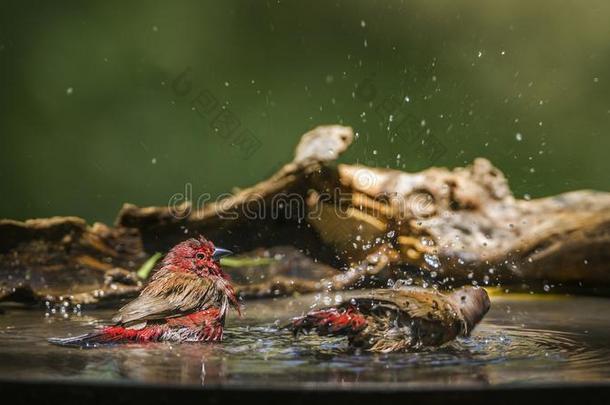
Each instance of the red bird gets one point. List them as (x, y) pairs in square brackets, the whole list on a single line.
[(186, 300)]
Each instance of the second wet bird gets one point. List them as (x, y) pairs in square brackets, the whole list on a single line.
[(399, 319)]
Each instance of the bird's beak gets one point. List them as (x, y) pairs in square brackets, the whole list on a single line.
[(220, 252)]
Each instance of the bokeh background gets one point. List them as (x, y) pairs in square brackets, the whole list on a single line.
[(89, 119)]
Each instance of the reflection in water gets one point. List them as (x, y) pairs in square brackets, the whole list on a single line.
[(520, 342)]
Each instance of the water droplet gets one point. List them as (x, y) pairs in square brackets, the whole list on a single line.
[(362, 23), (432, 260), (226, 84), (69, 91), (153, 161), (519, 136)]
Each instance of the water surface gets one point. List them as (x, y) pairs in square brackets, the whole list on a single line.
[(524, 340)]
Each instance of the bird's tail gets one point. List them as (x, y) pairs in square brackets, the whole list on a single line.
[(331, 321), (111, 335), (88, 340)]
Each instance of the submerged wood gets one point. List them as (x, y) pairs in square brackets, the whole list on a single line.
[(356, 226)]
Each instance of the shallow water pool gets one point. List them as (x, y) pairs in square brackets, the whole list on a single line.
[(525, 340)]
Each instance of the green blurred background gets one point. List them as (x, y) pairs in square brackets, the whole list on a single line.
[(89, 118)]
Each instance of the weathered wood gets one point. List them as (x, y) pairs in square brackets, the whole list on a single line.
[(56, 258), (373, 225), (468, 220)]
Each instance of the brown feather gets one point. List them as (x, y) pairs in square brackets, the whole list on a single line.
[(170, 294), (431, 314), (414, 301)]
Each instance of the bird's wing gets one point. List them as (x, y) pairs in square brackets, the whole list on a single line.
[(428, 314), (169, 294), (416, 303)]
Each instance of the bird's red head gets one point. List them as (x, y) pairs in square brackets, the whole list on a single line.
[(196, 255)]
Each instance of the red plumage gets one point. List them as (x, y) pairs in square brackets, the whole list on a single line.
[(332, 321)]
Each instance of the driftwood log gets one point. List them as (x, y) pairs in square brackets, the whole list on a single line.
[(330, 227)]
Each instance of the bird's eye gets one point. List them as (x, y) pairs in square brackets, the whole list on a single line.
[(199, 256)]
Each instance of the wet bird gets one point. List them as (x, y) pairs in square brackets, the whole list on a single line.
[(186, 300), (399, 319)]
